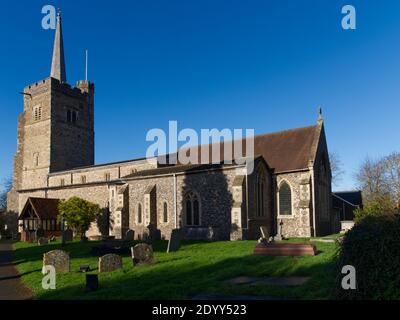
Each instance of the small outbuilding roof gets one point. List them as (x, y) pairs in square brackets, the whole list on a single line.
[(43, 208), (353, 197)]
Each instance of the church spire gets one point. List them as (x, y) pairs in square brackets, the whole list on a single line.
[(58, 62)]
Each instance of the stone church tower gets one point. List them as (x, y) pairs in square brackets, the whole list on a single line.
[(55, 129)]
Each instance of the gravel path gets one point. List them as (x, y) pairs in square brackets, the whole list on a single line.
[(11, 286)]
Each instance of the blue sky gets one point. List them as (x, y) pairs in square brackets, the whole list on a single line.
[(266, 65)]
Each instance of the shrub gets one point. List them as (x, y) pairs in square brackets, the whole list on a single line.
[(78, 213), (378, 207), (373, 248)]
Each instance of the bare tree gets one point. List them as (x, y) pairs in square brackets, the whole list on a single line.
[(7, 185), (392, 175), (336, 168), (372, 180)]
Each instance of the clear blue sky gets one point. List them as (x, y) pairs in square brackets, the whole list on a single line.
[(264, 64)]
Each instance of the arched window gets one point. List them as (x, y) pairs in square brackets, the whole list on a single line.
[(165, 213), (139, 214), (192, 209), (260, 193), (285, 199), (74, 116)]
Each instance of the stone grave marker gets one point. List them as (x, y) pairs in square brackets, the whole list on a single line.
[(67, 236), (130, 235), (175, 240), (43, 241), (142, 253), (57, 258), (39, 233), (202, 233), (264, 232), (92, 282), (110, 262)]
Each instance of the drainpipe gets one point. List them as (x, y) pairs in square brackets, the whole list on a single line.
[(313, 200), (175, 204), (247, 201)]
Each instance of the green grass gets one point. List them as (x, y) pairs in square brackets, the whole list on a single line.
[(198, 267)]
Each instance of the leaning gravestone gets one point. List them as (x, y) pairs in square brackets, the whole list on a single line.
[(43, 241), (39, 233), (110, 262), (142, 253), (130, 235), (175, 240), (57, 258), (264, 232), (67, 235)]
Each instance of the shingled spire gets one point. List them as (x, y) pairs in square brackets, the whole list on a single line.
[(58, 62)]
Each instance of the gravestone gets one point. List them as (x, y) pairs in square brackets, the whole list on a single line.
[(92, 282), (110, 262), (67, 236), (57, 258), (142, 253), (43, 241), (201, 233), (130, 235), (264, 232), (151, 233), (175, 240), (39, 233)]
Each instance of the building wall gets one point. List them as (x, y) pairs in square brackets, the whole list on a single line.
[(97, 194), (98, 173), (299, 223), (32, 160), (214, 191), (326, 218), (72, 143), (255, 221)]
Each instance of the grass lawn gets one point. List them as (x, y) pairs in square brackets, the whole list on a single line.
[(198, 267)]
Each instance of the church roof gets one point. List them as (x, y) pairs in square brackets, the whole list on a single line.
[(288, 150), (58, 61), (283, 151), (43, 208)]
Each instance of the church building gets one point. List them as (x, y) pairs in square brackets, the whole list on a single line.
[(288, 192)]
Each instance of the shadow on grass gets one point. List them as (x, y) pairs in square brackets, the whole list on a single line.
[(164, 280), (77, 250)]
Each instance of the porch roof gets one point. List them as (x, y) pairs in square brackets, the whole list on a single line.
[(42, 207)]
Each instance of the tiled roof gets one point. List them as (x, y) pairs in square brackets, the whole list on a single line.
[(354, 197), (44, 208), (287, 150)]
